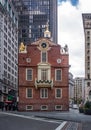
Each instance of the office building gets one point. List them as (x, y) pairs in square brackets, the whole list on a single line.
[(87, 33), (33, 17), (79, 90), (71, 89), (8, 51)]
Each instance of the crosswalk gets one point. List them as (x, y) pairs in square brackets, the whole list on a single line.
[(72, 126)]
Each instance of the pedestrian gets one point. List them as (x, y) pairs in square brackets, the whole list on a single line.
[(2, 107), (6, 107), (9, 107)]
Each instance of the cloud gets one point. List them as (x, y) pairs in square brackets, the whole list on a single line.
[(70, 28), (85, 6)]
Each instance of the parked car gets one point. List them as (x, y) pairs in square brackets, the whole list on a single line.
[(70, 105), (75, 106)]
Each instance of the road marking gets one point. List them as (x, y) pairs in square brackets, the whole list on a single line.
[(32, 117), (61, 126)]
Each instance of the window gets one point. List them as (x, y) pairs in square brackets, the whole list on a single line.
[(29, 74), (5, 58), (5, 66), (5, 50), (43, 93), (88, 84), (5, 36), (58, 75), (88, 76), (5, 43), (88, 32), (88, 45), (58, 93), (44, 107), (88, 38), (88, 57), (29, 93), (90, 94), (44, 74), (58, 107), (88, 52), (44, 57), (29, 107)]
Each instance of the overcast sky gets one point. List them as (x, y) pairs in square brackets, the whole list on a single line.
[(70, 32)]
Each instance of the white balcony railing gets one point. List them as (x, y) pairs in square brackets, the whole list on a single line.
[(43, 83)]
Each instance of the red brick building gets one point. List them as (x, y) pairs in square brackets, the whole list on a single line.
[(43, 76)]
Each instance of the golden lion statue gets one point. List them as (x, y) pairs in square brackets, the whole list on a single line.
[(22, 47)]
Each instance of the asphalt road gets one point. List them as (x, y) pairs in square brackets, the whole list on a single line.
[(48, 120), (11, 122)]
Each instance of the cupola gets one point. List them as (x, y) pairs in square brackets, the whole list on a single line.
[(47, 33)]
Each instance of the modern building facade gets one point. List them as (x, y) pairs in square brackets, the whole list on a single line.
[(87, 33), (43, 76), (71, 89), (79, 89), (33, 17), (8, 51)]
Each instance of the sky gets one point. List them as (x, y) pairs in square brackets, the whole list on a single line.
[(71, 32)]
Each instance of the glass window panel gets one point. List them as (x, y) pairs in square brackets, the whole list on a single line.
[(58, 74), (29, 74), (29, 93)]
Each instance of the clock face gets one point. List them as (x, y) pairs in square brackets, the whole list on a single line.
[(44, 45), (58, 61)]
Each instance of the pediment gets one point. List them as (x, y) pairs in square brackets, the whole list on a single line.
[(41, 40), (44, 65)]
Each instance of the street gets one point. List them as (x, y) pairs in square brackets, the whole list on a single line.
[(11, 122), (14, 120)]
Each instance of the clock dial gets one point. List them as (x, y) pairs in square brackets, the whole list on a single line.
[(58, 61), (44, 45)]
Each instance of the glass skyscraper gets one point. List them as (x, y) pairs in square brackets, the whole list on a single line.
[(33, 17)]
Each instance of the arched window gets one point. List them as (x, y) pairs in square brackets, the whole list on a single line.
[(90, 94)]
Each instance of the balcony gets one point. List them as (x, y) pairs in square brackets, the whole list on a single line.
[(44, 83)]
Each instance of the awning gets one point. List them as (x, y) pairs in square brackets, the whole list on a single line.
[(8, 101)]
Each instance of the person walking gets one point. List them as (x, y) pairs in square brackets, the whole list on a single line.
[(2, 107)]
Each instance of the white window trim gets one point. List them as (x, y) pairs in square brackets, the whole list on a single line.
[(58, 108), (56, 94), (56, 73), (45, 106), (30, 106), (26, 93), (41, 93), (26, 74)]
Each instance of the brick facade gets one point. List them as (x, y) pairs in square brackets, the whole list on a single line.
[(56, 59)]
